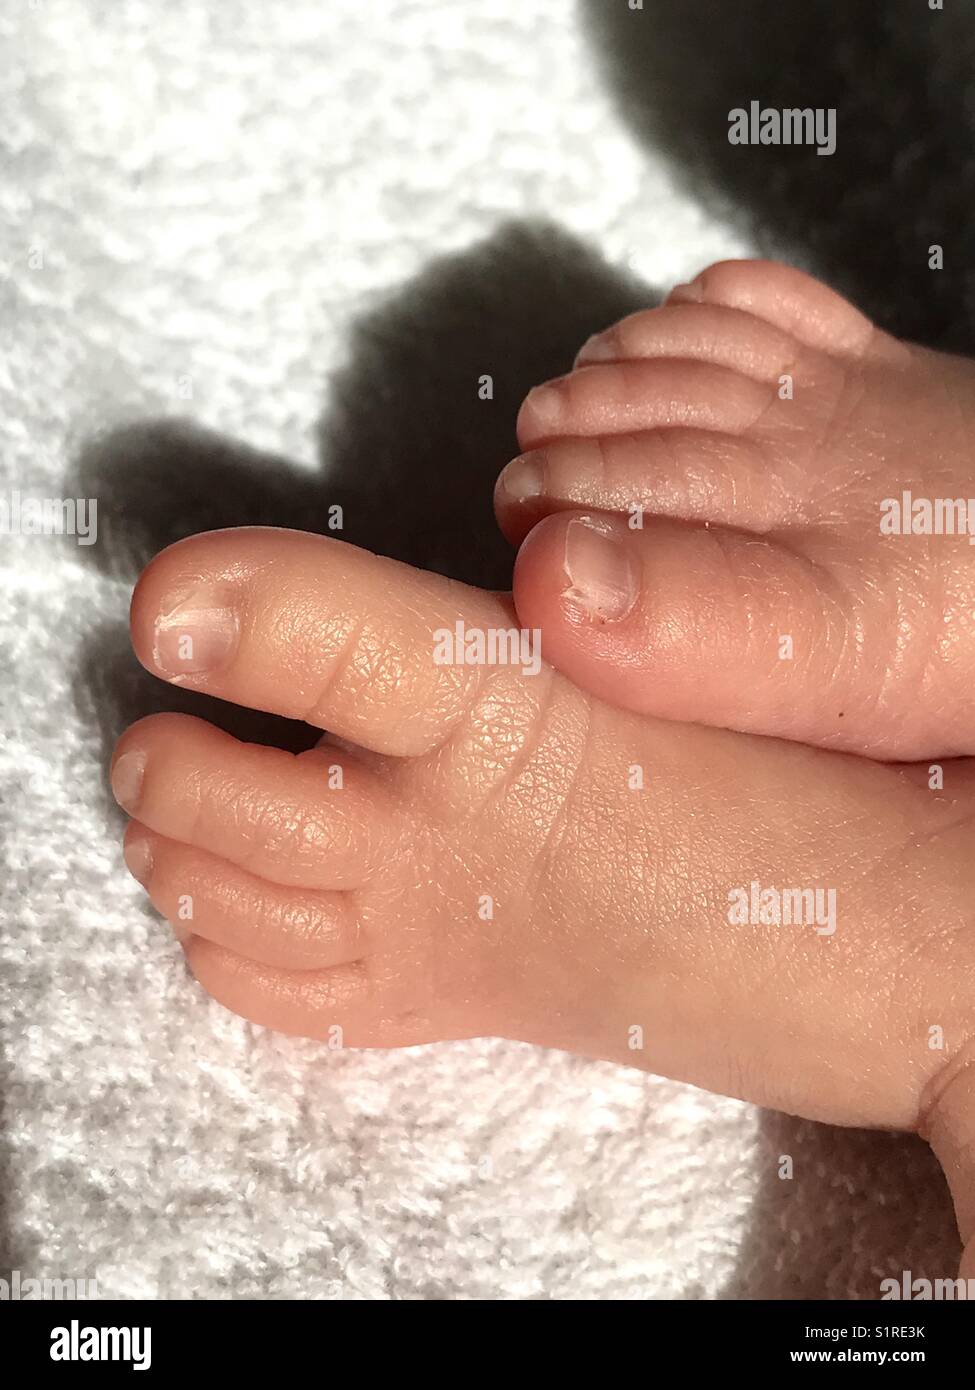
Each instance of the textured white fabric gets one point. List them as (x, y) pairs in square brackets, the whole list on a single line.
[(203, 211)]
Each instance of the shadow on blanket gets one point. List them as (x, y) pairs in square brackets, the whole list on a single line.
[(902, 177), (407, 448)]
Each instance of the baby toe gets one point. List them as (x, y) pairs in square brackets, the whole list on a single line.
[(355, 1005), (788, 299)]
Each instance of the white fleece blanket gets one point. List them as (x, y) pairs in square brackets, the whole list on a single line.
[(307, 229)]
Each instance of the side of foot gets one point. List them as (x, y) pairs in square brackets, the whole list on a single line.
[(484, 849)]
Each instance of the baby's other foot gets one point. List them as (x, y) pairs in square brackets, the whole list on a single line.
[(778, 449), (501, 854)]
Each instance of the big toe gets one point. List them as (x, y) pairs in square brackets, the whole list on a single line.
[(711, 625), (313, 629)]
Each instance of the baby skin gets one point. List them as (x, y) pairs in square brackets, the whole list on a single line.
[(765, 433), (479, 850)]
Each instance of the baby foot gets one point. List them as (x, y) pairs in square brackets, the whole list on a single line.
[(503, 855), (765, 434)]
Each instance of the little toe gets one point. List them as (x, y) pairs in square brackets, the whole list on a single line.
[(790, 300), (350, 1005)]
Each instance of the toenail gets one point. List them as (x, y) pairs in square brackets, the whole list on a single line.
[(546, 404), (197, 633), (601, 347), (600, 569), (523, 477), (127, 777), (138, 857)]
